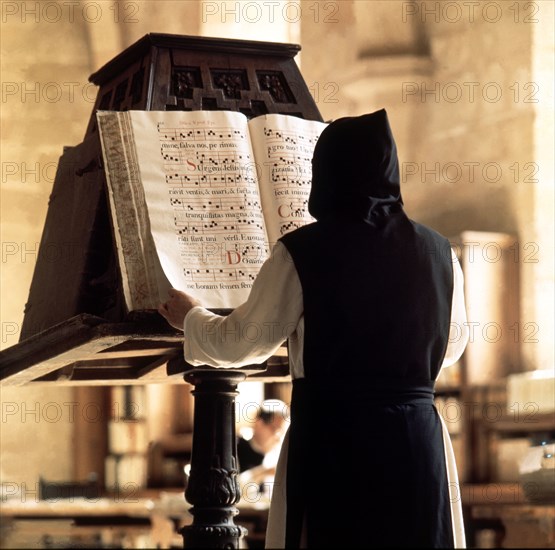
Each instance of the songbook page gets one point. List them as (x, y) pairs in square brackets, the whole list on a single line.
[(283, 146), (199, 176)]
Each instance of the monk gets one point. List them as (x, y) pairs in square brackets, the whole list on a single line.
[(372, 305)]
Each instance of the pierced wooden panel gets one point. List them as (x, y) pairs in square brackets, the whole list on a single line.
[(184, 80), (276, 84), (231, 81)]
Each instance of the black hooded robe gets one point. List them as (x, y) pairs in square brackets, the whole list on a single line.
[(366, 462)]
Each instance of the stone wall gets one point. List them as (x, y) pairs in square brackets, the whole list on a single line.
[(467, 91), (49, 49), (46, 100)]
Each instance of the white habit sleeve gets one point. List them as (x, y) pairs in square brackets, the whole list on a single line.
[(255, 329)]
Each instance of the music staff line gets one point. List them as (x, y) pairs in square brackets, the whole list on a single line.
[(282, 157), (281, 136), (213, 227), (214, 158), (229, 161), (178, 180), (220, 275), (215, 204), (182, 180), (289, 226), (219, 251), (199, 134), (290, 180)]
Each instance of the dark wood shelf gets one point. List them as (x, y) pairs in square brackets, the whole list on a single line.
[(88, 350), (524, 423)]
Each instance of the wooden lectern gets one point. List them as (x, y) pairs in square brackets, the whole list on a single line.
[(76, 329)]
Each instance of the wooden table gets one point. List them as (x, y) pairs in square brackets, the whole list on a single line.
[(499, 514), (153, 517)]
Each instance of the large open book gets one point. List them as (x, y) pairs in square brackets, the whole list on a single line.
[(198, 198)]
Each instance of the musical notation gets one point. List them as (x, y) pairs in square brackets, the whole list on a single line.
[(211, 179), (184, 227), (188, 228), (289, 155), (198, 160), (246, 224), (288, 158), (255, 251), (289, 226), (289, 179), (222, 159), (227, 180), (289, 137), (199, 134), (226, 204), (219, 275)]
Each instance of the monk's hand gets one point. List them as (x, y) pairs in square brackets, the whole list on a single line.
[(178, 305)]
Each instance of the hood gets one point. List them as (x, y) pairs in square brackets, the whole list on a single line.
[(355, 170)]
